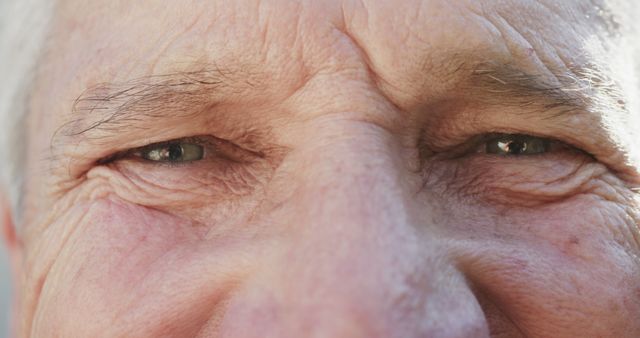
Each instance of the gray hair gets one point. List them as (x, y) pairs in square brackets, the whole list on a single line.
[(23, 28)]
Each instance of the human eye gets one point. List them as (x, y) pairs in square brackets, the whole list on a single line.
[(504, 147), (199, 165), (177, 151), (193, 151), (517, 145), (514, 168)]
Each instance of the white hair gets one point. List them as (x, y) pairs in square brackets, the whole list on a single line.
[(23, 28)]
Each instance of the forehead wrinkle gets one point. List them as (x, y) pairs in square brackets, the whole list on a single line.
[(605, 14)]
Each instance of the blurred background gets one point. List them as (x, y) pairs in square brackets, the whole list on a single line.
[(4, 270), (4, 292)]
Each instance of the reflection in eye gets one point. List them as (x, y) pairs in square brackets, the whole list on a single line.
[(515, 145), (174, 152)]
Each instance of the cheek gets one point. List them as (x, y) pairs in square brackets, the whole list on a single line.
[(119, 239), (129, 265), (554, 265)]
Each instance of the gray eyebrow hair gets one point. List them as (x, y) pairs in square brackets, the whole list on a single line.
[(581, 89), (111, 106)]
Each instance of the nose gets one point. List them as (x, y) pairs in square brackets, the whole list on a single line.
[(361, 258)]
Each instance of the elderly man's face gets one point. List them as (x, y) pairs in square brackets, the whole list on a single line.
[(410, 168)]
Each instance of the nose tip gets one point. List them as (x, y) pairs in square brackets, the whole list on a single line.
[(357, 277), (303, 308)]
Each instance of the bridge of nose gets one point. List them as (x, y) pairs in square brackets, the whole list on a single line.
[(355, 263)]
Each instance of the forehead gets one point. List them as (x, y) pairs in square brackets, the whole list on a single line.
[(413, 47), (150, 34), (408, 50)]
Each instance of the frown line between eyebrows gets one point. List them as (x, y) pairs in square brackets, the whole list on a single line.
[(108, 110), (111, 106)]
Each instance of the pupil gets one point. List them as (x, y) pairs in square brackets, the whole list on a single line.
[(175, 152), (517, 147)]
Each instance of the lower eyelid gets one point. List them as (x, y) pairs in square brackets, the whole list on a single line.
[(543, 182), (523, 180), (217, 179)]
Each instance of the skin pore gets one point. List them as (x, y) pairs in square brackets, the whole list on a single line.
[(339, 168)]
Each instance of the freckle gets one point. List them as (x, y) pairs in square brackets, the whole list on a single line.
[(571, 245), (574, 240), (530, 51)]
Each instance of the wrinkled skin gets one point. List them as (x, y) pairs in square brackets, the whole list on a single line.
[(332, 200)]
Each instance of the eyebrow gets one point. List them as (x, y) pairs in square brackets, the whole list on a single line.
[(114, 107), (111, 106), (584, 89)]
